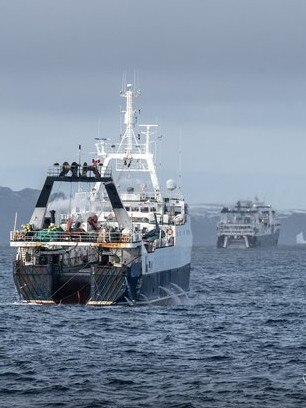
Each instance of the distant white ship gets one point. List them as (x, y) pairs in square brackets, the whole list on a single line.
[(248, 224), (300, 238)]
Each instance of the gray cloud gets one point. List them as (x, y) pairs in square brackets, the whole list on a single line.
[(229, 76)]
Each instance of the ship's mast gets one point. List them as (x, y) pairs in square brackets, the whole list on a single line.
[(131, 155), (130, 119)]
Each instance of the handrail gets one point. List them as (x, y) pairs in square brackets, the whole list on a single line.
[(74, 236)]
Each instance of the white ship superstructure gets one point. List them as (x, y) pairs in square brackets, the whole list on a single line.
[(121, 240), (248, 224)]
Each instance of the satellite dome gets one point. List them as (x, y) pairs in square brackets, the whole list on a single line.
[(171, 184)]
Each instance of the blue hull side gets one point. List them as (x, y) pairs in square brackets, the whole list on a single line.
[(160, 285)]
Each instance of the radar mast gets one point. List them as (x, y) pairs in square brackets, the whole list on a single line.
[(131, 154)]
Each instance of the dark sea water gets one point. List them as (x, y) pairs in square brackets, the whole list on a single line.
[(239, 342)]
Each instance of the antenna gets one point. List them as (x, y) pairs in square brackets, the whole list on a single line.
[(135, 79), (123, 81), (79, 169), (180, 160), (138, 80), (158, 152), (80, 149), (99, 124), (147, 133), (120, 120)]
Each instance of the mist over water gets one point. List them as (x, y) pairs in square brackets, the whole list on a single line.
[(238, 342)]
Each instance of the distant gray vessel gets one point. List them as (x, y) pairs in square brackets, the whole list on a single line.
[(248, 224)]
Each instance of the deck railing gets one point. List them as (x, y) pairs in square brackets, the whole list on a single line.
[(74, 236)]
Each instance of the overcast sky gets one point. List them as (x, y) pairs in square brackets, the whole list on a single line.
[(224, 79)]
